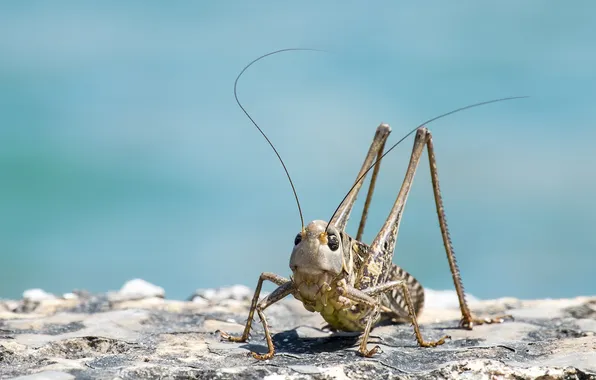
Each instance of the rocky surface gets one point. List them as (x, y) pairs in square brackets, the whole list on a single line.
[(138, 334)]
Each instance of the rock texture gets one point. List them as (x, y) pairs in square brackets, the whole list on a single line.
[(139, 334)]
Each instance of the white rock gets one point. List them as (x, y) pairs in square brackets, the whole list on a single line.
[(200, 300), (444, 299), (11, 305), (239, 292), (37, 295), (141, 289), (208, 294), (235, 292)]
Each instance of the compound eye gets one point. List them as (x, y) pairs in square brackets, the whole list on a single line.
[(333, 242), (297, 239)]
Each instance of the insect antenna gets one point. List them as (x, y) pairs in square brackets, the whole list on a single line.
[(414, 130), (259, 128)]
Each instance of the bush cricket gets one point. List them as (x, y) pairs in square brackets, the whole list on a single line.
[(353, 285)]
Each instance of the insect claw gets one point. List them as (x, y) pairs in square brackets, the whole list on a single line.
[(471, 322), (370, 353), (266, 356)]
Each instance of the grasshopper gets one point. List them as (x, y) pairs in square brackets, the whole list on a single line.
[(353, 285)]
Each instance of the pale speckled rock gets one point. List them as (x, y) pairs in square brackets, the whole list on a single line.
[(99, 337)]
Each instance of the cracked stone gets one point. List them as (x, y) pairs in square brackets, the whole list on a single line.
[(149, 337)]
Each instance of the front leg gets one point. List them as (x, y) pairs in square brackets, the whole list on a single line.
[(285, 288)]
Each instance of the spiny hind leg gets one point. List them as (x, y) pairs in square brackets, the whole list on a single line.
[(467, 320), (382, 247), (342, 214)]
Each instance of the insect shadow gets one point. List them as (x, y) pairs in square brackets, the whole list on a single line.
[(291, 342)]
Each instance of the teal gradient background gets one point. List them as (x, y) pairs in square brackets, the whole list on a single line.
[(123, 154)]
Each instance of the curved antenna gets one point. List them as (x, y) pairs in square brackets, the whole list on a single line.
[(412, 131), (260, 130)]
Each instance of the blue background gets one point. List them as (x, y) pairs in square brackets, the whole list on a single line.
[(123, 154)]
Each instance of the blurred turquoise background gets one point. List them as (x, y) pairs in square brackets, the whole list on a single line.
[(123, 153)]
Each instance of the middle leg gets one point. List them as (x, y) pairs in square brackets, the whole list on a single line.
[(368, 298)]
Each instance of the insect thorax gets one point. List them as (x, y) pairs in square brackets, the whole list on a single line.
[(318, 291)]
